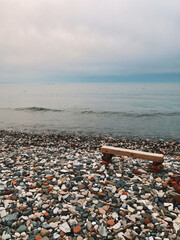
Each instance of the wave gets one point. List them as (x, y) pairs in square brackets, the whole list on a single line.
[(132, 114), (101, 113), (38, 109)]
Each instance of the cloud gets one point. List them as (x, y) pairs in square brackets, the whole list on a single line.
[(76, 37)]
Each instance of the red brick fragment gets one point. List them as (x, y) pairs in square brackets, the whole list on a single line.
[(111, 222), (8, 192), (177, 198), (77, 229), (92, 230), (137, 172), (164, 185), (23, 208), (104, 162), (147, 221)]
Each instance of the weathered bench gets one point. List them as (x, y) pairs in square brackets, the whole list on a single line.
[(109, 151)]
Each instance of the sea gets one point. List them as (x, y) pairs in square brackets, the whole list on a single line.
[(118, 110)]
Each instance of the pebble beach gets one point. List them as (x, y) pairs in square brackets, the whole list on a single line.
[(56, 187)]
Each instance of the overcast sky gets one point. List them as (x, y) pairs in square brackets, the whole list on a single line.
[(42, 39)]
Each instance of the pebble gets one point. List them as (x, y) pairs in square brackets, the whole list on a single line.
[(117, 226), (102, 231), (65, 227), (55, 187), (21, 229)]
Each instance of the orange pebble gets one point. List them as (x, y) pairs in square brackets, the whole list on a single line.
[(38, 237), (111, 222), (77, 229), (45, 183), (164, 185), (91, 178), (46, 214), (50, 188), (48, 177), (92, 230), (125, 193), (104, 162), (14, 183)]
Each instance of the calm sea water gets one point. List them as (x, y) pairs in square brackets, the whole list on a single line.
[(142, 110)]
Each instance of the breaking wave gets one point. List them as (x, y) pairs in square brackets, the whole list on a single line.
[(38, 109), (105, 113)]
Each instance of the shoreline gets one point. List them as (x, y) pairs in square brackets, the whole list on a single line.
[(55, 187), (171, 147)]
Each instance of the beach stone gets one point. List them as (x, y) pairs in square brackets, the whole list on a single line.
[(123, 197), (44, 232), (150, 226), (114, 215), (117, 226), (21, 229), (56, 235), (102, 231), (111, 222), (79, 238), (89, 225), (17, 235), (65, 227), (77, 229), (6, 236), (3, 213), (11, 217), (78, 179), (45, 206), (53, 224), (23, 234)]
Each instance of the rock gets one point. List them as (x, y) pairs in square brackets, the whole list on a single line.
[(56, 235), (111, 222), (177, 198), (114, 215), (6, 236), (53, 224), (11, 217), (176, 224), (21, 229), (123, 197), (3, 213), (102, 231), (150, 226), (130, 209), (89, 225), (44, 232), (77, 229), (117, 226), (101, 211), (65, 227)]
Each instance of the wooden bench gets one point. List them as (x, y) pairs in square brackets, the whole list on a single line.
[(108, 153)]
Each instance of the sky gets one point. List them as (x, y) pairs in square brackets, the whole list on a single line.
[(53, 39)]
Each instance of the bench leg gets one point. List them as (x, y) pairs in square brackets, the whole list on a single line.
[(156, 166), (106, 158)]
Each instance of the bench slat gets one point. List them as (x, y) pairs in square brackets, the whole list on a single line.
[(132, 153)]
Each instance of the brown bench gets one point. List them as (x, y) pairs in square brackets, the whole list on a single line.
[(109, 151)]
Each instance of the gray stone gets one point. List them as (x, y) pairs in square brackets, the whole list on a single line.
[(11, 217), (21, 229), (89, 225), (102, 231)]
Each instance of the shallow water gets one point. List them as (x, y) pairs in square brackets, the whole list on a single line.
[(142, 110)]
